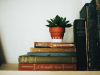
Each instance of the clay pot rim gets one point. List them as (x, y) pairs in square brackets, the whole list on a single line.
[(56, 29)]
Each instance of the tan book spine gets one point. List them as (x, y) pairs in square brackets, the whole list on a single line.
[(53, 45), (53, 50)]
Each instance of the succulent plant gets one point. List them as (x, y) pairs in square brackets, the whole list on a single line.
[(58, 22)]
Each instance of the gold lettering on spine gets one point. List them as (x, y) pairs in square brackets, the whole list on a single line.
[(37, 67), (34, 67), (46, 67), (59, 67), (63, 66), (89, 64)]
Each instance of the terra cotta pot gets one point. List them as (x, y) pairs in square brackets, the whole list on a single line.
[(57, 33)]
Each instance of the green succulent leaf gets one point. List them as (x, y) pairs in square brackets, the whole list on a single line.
[(47, 25), (68, 25), (52, 20), (63, 20), (49, 21), (66, 22), (58, 22)]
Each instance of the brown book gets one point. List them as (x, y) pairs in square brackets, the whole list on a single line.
[(47, 67), (53, 45), (69, 50)]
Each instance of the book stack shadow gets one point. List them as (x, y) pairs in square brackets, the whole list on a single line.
[(49, 56)]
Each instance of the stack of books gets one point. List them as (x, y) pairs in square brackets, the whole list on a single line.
[(49, 56)]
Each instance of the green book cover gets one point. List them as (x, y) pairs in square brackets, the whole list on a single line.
[(46, 59), (90, 14)]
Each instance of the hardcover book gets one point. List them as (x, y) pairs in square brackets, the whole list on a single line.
[(90, 14), (93, 1), (68, 50), (49, 54), (47, 67), (53, 45), (47, 59), (80, 41), (99, 35), (97, 2)]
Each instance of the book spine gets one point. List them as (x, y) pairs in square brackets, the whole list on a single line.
[(83, 12), (53, 45), (47, 67), (97, 2), (92, 38), (80, 41), (93, 1), (69, 50), (99, 35), (47, 60), (50, 54)]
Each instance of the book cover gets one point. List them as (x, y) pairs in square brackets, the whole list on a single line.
[(50, 54), (99, 35), (93, 1), (83, 11), (98, 4), (90, 14), (69, 50), (47, 59), (80, 41), (93, 39), (47, 67), (53, 45)]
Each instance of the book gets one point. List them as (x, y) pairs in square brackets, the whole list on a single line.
[(47, 67), (80, 41), (99, 35), (47, 59), (83, 12), (89, 12), (53, 45), (98, 4), (69, 50), (50, 54), (93, 1)]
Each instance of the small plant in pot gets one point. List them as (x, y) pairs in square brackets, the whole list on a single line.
[(57, 28)]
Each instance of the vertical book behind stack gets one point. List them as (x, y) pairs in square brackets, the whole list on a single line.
[(80, 41), (49, 56), (90, 13)]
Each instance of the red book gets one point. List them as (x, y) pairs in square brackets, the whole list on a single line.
[(47, 67), (53, 45)]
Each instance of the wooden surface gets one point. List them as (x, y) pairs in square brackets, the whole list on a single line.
[(12, 69)]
